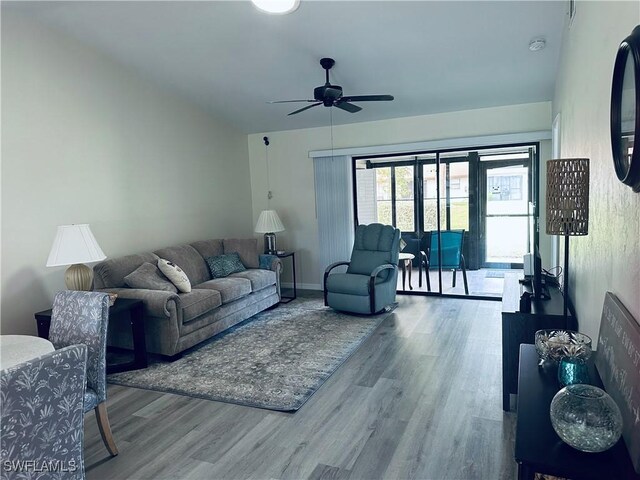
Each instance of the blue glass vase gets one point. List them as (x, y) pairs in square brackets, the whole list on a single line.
[(573, 370)]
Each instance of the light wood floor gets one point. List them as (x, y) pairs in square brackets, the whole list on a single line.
[(420, 399)]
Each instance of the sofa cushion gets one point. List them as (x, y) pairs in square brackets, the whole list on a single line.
[(230, 288), (110, 273), (150, 277), (208, 248), (189, 260), (224, 265), (174, 273), (247, 248), (198, 302), (259, 278), (349, 283)]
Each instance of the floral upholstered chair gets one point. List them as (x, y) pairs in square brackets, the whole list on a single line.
[(82, 317), (42, 419)]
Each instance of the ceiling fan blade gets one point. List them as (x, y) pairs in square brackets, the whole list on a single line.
[(349, 107), (332, 93), (290, 101), (305, 108), (368, 98)]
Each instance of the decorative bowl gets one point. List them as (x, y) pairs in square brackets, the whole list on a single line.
[(586, 418), (554, 345)]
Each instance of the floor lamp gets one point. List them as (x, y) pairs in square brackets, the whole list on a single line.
[(567, 207)]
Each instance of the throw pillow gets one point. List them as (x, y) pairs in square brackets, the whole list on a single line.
[(266, 261), (224, 265), (149, 277), (174, 273)]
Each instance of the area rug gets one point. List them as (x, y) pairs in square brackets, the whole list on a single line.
[(275, 360)]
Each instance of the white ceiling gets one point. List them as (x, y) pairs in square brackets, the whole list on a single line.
[(231, 59)]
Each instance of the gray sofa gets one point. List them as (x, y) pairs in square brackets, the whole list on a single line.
[(176, 321)]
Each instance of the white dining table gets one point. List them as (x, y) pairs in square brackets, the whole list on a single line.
[(15, 349)]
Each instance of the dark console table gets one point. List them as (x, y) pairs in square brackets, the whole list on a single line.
[(124, 309), (538, 447), (520, 327)]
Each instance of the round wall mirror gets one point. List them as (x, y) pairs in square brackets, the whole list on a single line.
[(625, 111)]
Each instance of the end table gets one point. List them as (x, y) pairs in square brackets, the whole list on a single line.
[(128, 308), (291, 255)]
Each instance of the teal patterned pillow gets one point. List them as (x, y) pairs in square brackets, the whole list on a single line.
[(266, 261), (224, 265)]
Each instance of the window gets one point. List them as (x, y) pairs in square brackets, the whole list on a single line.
[(505, 187), (405, 216), (458, 195), (383, 196)]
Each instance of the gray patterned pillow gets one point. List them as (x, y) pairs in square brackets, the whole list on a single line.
[(224, 265), (150, 277)]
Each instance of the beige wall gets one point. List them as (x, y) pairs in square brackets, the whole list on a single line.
[(291, 169), (608, 259), (85, 140)]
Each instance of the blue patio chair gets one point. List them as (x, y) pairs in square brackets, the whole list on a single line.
[(369, 285), (452, 257)]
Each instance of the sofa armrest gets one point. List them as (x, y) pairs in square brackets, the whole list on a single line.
[(273, 263), (157, 303)]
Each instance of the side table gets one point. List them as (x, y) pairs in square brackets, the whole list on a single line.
[(405, 261), (123, 308), (291, 255), (539, 449)]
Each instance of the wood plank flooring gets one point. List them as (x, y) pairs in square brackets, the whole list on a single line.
[(421, 399)]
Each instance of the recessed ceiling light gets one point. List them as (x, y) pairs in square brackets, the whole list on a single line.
[(537, 44), (276, 6)]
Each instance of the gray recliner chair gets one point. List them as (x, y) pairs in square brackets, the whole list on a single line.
[(369, 285)]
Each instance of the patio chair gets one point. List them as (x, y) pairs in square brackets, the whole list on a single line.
[(452, 257)]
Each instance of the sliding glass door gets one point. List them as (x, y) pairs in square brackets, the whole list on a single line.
[(474, 203)]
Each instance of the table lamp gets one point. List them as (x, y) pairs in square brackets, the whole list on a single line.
[(567, 206), (269, 223), (74, 245)]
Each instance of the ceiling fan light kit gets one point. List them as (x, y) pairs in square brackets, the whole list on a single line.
[(277, 7), (332, 96)]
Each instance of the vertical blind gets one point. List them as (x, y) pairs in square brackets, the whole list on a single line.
[(334, 208)]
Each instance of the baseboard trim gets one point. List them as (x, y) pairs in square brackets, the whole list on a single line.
[(303, 286)]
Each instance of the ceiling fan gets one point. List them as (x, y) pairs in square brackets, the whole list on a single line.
[(331, 95)]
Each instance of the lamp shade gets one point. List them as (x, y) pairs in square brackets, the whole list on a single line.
[(269, 222), (568, 196), (74, 244)]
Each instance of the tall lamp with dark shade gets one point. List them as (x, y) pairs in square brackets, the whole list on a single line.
[(567, 206)]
